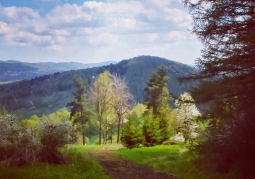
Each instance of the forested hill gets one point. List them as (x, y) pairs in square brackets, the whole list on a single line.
[(13, 70), (46, 94)]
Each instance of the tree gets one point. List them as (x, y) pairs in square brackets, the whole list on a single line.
[(227, 73), (122, 100), (101, 96), (187, 114), (79, 106), (157, 98), (156, 92), (132, 134), (151, 129)]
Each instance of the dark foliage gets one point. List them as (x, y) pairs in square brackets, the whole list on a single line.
[(227, 65)]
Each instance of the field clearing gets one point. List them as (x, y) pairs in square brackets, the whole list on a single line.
[(172, 159)]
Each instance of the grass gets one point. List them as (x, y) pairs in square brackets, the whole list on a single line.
[(77, 167), (82, 149), (172, 159)]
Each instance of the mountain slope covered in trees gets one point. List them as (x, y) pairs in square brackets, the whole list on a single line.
[(13, 70), (46, 94)]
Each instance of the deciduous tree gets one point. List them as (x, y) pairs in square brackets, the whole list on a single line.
[(122, 100), (187, 114), (102, 96)]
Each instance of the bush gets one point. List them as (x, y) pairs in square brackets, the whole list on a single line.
[(20, 146), (17, 145), (132, 134), (151, 130), (53, 136)]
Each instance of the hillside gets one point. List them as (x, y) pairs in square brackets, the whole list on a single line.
[(13, 70), (46, 94)]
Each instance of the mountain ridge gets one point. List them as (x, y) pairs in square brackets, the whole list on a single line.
[(13, 70), (48, 93)]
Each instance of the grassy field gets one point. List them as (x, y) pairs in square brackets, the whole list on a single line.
[(173, 159), (78, 167)]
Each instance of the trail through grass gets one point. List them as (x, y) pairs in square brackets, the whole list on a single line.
[(174, 159)]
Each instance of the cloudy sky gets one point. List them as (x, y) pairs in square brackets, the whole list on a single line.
[(95, 31)]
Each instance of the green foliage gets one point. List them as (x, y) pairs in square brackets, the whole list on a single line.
[(151, 130), (79, 106), (3, 111), (51, 92), (78, 166), (102, 97), (132, 134), (227, 82), (156, 94), (24, 142), (17, 145), (32, 122)]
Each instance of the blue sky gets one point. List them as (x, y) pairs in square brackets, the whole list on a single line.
[(95, 31)]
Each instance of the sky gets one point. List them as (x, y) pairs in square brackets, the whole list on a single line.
[(95, 31)]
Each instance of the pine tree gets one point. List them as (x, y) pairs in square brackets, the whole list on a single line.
[(227, 73), (156, 92), (79, 106)]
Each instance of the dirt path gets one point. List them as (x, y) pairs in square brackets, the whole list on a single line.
[(118, 167)]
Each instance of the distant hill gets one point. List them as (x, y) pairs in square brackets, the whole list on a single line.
[(48, 93), (13, 70)]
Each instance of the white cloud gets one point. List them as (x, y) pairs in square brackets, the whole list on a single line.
[(104, 30)]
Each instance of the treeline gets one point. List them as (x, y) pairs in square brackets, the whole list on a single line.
[(108, 104)]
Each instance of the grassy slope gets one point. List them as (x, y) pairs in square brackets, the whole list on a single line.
[(173, 159), (78, 167)]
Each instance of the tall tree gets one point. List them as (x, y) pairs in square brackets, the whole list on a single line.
[(227, 73), (156, 92), (101, 96), (79, 106), (122, 101), (157, 98)]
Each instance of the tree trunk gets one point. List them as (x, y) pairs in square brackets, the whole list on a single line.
[(100, 132), (118, 137)]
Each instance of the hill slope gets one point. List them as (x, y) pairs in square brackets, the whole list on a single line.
[(13, 70), (46, 94)]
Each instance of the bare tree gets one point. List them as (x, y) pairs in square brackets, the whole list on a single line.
[(122, 100)]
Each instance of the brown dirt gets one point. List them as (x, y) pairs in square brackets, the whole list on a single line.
[(117, 167)]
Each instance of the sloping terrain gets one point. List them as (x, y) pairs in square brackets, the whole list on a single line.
[(14, 70), (50, 92)]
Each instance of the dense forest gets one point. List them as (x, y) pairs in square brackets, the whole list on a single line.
[(54, 91)]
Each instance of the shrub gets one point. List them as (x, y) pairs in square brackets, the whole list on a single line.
[(151, 130), (17, 145), (52, 136), (132, 134), (20, 146)]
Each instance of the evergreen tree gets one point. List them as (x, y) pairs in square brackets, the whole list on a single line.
[(156, 91), (157, 98), (79, 106), (151, 130), (132, 134), (227, 73)]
